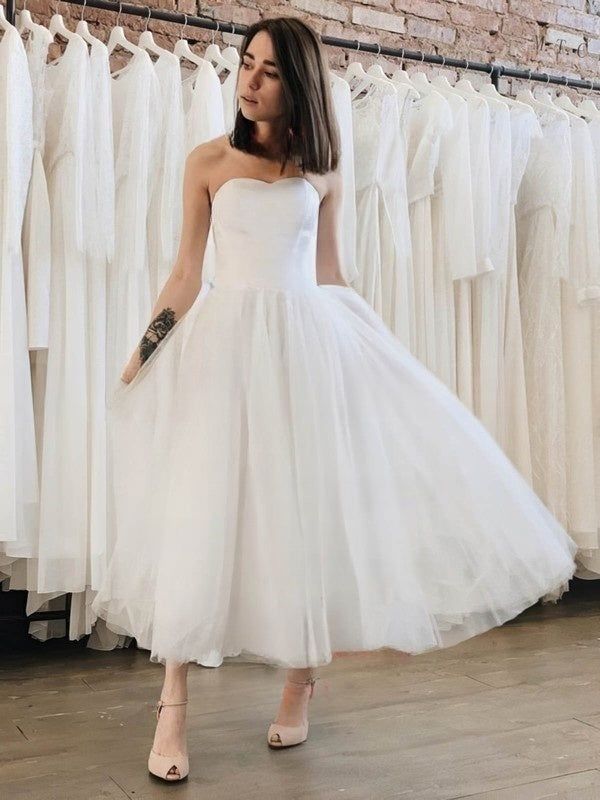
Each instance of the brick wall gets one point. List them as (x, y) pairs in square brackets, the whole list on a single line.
[(561, 36)]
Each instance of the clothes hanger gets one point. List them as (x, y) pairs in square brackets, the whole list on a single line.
[(183, 50), (420, 80), (564, 101), (215, 56), (376, 70), (588, 107), (401, 75), (83, 30), (465, 84), (146, 40), (26, 23), (117, 38), (442, 82), (356, 72), (544, 96), (57, 27)]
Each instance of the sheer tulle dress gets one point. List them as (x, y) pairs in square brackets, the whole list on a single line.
[(288, 481)]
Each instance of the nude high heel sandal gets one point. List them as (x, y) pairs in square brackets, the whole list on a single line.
[(279, 736), (159, 765)]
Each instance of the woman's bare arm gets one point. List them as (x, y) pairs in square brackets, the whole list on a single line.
[(183, 284), (328, 245)]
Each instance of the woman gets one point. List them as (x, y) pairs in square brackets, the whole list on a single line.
[(288, 481)]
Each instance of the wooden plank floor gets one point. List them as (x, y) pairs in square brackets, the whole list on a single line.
[(510, 715)]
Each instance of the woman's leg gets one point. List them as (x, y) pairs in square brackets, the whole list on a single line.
[(294, 701), (170, 736)]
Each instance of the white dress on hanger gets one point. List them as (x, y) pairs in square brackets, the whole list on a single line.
[(36, 220), (589, 558), (18, 462), (203, 106), (478, 115), (543, 219), (65, 454), (488, 291), (454, 244), (514, 417), (578, 295), (166, 206), (430, 120), (342, 104), (228, 89), (384, 258), (282, 443), (136, 107)]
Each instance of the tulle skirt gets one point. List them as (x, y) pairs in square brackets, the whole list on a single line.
[(287, 481)]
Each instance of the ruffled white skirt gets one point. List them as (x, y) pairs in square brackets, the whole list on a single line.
[(288, 481)]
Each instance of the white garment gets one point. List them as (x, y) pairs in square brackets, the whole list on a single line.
[(454, 243), (384, 258), (578, 294), (136, 107), (166, 206), (430, 120), (488, 291), (18, 463), (543, 218), (229, 89), (478, 115), (203, 106), (342, 104), (344, 479), (36, 220), (514, 423), (64, 489)]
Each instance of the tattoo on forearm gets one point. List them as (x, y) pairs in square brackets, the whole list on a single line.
[(157, 330)]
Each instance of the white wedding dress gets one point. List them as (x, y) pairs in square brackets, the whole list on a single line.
[(288, 481)]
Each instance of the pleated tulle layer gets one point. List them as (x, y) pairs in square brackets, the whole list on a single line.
[(287, 481)]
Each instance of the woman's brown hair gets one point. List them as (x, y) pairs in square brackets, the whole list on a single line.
[(310, 130)]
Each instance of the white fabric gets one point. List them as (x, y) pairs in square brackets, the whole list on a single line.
[(347, 219), (228, 89), (543, 219), (430, 120), (36, 220), (136, 107), (166, 207), (282, 443), (18, 462), (203, 106), (384, 252)]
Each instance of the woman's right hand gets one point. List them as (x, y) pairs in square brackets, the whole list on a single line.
[(132, 368)]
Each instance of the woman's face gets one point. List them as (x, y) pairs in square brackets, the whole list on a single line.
[(259, 85)]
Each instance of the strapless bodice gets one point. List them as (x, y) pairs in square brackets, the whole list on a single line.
[(265, 234)]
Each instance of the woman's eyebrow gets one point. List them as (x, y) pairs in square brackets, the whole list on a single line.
[(266, 61)]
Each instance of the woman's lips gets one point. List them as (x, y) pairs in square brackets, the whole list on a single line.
[(247, 100)]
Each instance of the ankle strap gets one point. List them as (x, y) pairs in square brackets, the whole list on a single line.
[(304, 683), (161, 704)]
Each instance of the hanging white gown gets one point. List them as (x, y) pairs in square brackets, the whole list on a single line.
[(228, 89), (166, 207), (488, 290), (18, 462), (430, 120), (384, 258), (543, 218), (203, 106), (453, 239), (514, 421), (36, 220), (478, 115), (64, 490), (342, 104), (578, 294), (282, 443), (136, 107), (589, 558)]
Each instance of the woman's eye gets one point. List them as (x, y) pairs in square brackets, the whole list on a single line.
[(272, 74)]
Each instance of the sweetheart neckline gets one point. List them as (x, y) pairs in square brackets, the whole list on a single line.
[(267, 183)]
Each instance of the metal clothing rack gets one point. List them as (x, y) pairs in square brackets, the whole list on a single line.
[(495, 71)]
